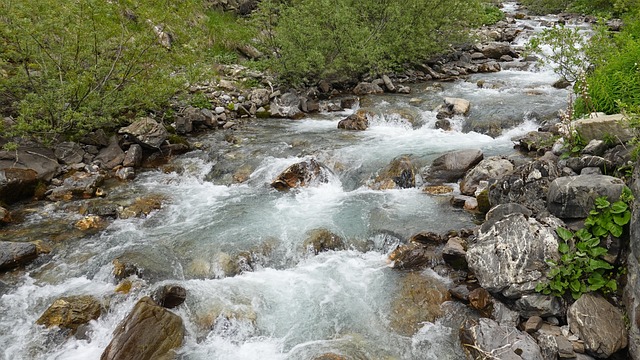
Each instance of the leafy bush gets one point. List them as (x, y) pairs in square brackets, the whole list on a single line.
[(596, 7), (315, 39), (581, 268)]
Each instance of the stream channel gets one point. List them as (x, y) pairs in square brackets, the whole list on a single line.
[(292, 304)]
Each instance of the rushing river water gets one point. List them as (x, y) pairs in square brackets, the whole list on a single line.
[(291, 305)]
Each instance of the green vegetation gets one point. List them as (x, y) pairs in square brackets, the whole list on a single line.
[(338, 39), (596, 7), (581, 267), (67, 68)]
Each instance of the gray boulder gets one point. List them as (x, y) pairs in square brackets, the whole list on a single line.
[(133, 156), (111, 156), (488, 169), (508, 257), (78, 185), (528, 185), (148, 332), (260, 97), (146, 132), (539, 305), (600, 127), (452, 166), (600, 324), (21, 170), (69, 153), (488, 339), (573, 196), (495, 50), (14, 254), (286, 106), (365, 88)]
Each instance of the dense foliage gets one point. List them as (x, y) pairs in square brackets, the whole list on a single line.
[(341, 38), (67, 67), (596, 7)]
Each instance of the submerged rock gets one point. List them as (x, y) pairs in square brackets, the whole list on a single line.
[(319, 240), (149, 332), (71, 312), (400, 173), (300, 174)]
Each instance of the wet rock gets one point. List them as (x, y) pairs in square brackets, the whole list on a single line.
[(14, 254), (400, 174), (357, 121), (528, 185), (69, 153), (574, 196), (454, 253), (561, 84), (125, 173), (457, 106), (319, 240), (365, 88), (133, 156), (111, 156), (412, 256), (90, 223), (286, 106), (536, 141), (509, 257), (148, 332), (438, 189), (146, 132), (71, 312), (427, 238), (79, 185), (487, 338), (300, 175), (170, 296), (142, 206), (488, 169), (418, 301), (5, 216), (17, 184), (603, 127), (452, 166), (460, 201), (154, 264), (600, 324)]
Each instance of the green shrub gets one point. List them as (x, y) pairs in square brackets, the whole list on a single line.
[(315, 39)]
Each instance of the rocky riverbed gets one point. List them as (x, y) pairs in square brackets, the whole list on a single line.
[(381, 220)]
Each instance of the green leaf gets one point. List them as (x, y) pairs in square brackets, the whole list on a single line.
[(602, 202), (622, 219), (599, 231), (583, 234), (595, 264), (575, 286), (618, 207), (615, 229), (563, 248), (564, 234), (597, 252), (612, 284)]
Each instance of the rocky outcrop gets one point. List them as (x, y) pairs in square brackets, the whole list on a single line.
[(148, 332), (399, 174), (600, 324), (319, 240), (488, 169), (508, 256), (14, 254), (573, 196), (71, 312), (301, 174), (452, 166), (146, 132), (488, 339), (528, 185)]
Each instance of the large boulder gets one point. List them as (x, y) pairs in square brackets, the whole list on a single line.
[(301, 174), (357, 121), (488, 339), (17, 184), (14, 254), (170, 296), (458, 106), (71, 312), (602, 127), (69, 153), (452, 166), (495, 50), (491, 168), (599, 324), (110, 156), (509, 255), (148, 332), (573, 196), (400, 174), (286, 106), (21, 170), (528, 185), (146, 132), (365, 88)]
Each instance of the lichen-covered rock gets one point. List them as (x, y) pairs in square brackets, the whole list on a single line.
[(509, 256), (573, 196), (301, 174), (494, 167), (489, 339), (452, 166), (149, 332), (71, 312), (14, 254), (146, 132), (600, 324), (399, 174)]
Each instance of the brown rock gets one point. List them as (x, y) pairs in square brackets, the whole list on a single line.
[(400, 174), (299, 175), (170, 296), (533, 324), (319, 240), (438, 189), (480, 299), (357, 121), (412, 256), (149, 332), (90, 222), (71, 312)]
